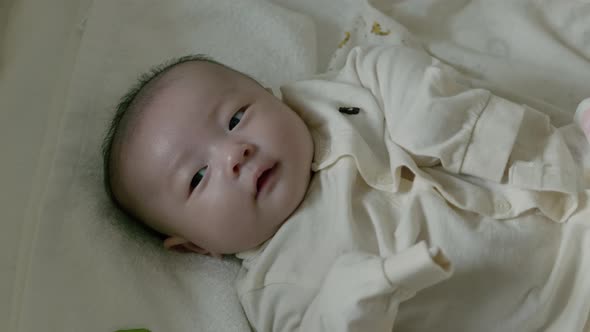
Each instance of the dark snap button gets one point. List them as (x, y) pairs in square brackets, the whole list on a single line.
[(349, 110)]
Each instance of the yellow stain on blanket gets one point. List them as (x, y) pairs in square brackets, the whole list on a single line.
[(345, 40), (377, 30)]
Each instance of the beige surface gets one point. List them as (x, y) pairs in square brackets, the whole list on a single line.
[(39, 43)]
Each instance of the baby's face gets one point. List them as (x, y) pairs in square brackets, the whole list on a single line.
[(215, 160)]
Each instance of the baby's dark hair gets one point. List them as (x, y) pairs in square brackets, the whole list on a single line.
[(126, 111)]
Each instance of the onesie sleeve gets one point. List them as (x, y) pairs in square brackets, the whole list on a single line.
[(361, 292), (433, 114)]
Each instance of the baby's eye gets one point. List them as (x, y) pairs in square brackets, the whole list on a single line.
[(197, 178), (235, 119)]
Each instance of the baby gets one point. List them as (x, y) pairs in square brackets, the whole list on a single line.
[(199, 139), (389, 195)]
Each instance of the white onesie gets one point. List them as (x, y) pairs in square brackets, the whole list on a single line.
[(427, 166)]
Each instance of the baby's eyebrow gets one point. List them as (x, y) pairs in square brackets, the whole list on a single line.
[(214, 109), (173, 175)]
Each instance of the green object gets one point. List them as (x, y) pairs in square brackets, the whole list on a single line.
[(134, 330)]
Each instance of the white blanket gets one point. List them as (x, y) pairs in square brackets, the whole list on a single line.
[(77, 270)]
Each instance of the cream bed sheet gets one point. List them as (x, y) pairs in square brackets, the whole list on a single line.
[(38, 45)]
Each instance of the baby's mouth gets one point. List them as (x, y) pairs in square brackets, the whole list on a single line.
[(263, 179)]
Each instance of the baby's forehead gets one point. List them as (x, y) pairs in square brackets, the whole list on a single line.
[(189, 89), (200, 72), (195, 82), (192, 76)]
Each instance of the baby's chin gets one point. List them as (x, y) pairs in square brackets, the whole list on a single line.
[(256, 241)]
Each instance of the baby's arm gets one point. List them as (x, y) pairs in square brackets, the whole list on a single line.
[(438, 119), (361, 292)]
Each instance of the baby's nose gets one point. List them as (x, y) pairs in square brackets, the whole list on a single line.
[(237, 155)]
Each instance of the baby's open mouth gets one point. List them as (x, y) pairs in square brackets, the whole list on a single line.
[(263, 179)]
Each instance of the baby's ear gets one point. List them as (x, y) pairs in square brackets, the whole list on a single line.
[(179, 244)]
